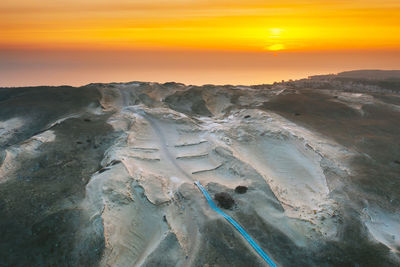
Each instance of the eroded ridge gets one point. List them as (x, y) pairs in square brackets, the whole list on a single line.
[(104, 174)]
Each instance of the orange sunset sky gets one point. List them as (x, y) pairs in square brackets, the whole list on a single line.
[(192, 40)]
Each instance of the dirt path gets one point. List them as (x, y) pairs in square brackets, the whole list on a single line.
[(163, 143)]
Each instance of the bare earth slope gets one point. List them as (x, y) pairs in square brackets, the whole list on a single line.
[(102, 175)]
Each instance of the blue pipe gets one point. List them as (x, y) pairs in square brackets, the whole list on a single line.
[(236, 225)]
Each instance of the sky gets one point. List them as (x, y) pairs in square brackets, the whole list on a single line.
[(76, 42)]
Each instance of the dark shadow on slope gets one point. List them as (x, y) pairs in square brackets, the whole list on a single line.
[(223, 246), (353, 246), (41, 221), (40, 106), (189, 102)]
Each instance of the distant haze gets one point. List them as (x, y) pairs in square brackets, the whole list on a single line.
[(57, 67), (195, 42)]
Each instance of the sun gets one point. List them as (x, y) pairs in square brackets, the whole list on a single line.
[(275, 32)]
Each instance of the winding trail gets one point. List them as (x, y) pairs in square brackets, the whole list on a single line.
[(163, 144), (172, 159), (237, 226)]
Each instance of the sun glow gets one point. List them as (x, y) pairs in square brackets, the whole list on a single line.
[(275, 33), (201, 25), (276, 47)]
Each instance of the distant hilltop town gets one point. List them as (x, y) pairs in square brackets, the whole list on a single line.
[(387, 81)]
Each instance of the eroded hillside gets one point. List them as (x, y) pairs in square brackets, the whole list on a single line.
[(103, 175)]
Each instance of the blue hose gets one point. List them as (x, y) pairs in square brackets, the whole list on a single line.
[(236, 225)]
